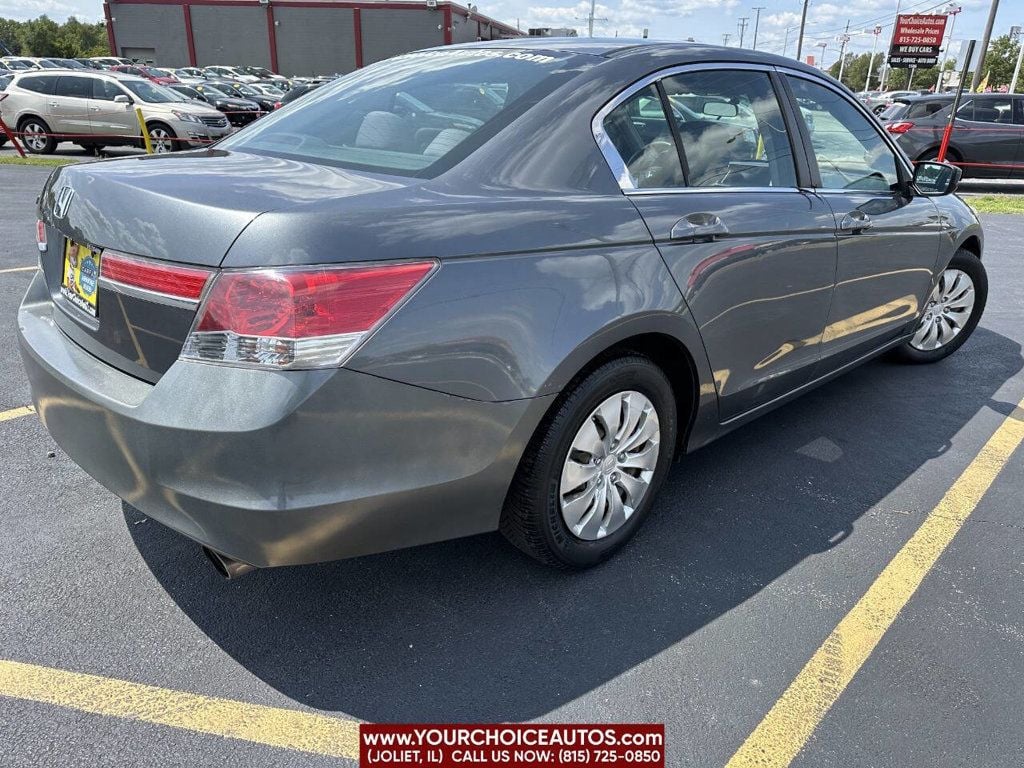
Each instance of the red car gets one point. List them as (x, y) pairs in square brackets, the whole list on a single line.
[(159, 76)]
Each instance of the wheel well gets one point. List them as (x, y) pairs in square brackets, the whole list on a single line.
[(972, 244), (675, 361), (950, 151), (26, 118)]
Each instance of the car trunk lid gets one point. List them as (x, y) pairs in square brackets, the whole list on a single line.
[(175, 211)]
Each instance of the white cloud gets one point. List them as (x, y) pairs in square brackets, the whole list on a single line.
[(22, 10)]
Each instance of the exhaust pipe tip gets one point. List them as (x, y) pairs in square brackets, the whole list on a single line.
[(226, 566)]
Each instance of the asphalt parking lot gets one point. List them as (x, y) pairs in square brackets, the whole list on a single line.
[(759, 547)]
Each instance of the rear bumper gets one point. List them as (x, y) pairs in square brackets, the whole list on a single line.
[(277, 468)]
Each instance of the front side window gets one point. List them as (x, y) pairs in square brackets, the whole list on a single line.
[(731, 129), (105, 90), (642, 136), (849, 150), (412, 114)]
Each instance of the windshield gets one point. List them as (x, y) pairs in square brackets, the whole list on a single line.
[(154, 72), (209, 90), (406, 114), (151, 92)]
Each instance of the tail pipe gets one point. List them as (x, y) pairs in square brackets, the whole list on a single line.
[(226, 566)]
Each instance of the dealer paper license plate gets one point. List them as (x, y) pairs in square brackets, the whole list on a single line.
[(80, 279)]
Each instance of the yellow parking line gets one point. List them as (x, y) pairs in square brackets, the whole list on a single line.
[(285, 728), (789, 724), (16, 413), (17, 269)]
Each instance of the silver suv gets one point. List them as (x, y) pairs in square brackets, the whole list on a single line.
[(97, 109)]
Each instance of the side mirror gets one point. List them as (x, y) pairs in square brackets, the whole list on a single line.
[(936, 179), (122, 99)]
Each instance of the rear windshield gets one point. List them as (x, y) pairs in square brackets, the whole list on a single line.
[(411, 115)]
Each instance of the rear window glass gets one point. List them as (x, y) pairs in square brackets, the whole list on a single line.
[(412, 115), (39, 83)]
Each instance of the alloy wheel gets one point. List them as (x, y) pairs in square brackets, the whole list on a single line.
[(160, 138), (610, 465), (34, 136), (948, 310)]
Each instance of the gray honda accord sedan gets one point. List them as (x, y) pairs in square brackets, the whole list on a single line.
[(493, 286)]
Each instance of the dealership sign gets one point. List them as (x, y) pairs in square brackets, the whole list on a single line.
[(917, 40)]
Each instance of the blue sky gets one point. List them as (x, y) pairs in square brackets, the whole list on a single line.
[(703, 20)]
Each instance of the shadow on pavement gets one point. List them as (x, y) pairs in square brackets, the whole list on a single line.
[(470, 630)]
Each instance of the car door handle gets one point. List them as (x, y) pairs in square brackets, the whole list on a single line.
[(698, 227), (855, 221), (53, 103)]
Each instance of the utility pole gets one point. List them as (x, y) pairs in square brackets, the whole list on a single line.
[(845, 38), (757, 23), (785, 42), (803, 23), (824, 46), (984, 45), (951, 10), (887, 69), (590, 19), (1016, 70), (742, 27), (725, 39), (871, 61)]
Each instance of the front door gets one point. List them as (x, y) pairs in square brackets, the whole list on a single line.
[(888, 240), (110, 118), (754, 256)]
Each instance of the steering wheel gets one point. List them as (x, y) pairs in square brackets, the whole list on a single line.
[(648, 164)]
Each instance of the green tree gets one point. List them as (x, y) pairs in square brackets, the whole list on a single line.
[(10, 35), (39, 37), (1000, 61)]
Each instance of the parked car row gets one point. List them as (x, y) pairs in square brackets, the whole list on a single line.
[(96, 109), (988, 132)]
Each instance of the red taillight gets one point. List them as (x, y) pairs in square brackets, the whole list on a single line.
[(41, 234), (308, 317), (901, 126), (278, 104), (166, 279)]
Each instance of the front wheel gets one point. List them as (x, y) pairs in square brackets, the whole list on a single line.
[(162, 138), (592, 470), (952, 311)]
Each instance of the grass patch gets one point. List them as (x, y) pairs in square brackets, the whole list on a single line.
[(47, 161), (996, 203)]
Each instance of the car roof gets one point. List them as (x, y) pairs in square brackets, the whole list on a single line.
[(658, 52), (106, 73)]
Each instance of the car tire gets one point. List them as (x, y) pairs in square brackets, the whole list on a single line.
[(534, 519), (35, 136), (941, 305), (162, 138), (932, 156)]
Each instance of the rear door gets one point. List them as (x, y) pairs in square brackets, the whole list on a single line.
[(718, 186), (988, 137), (888, 240), (69, 109)]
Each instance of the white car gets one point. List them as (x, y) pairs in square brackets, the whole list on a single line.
[(230, 73), (96, 109)]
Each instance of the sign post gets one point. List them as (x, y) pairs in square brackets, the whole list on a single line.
[(956, 102)]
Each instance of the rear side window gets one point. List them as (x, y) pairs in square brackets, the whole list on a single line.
[(642, 135), (74, 87), (412, 115), (997, 110), (731, 129), (39, 83)]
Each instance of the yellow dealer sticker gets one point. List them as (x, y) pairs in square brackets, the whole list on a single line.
[(80, 280)]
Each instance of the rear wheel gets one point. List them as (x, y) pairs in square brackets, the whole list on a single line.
[(592, 470), (35, 136), (162, 138), (952, 311)]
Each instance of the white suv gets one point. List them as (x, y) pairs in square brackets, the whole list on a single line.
[(96, 109)]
